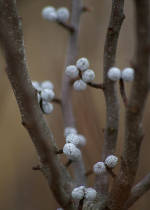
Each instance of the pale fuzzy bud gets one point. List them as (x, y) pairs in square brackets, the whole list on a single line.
[(82, 64), (88, 75), (128, 74), (99, 168), (49, 13), (71, 151), (69, 130), (36, 85), (72, 71), (78, 193), (47, 107), (79, 85), (63, 14), (114, 74), (47, 94), (47, 85), (38, 97), (72, 138), (90, 194), (82, 140), (111, 161)]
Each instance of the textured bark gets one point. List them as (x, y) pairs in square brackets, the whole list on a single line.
[(11, 39), (134, 114), (110, 91)]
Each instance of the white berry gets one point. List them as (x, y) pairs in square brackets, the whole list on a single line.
[(111, 161), (99, 168), (72, 71), (114, 74), (79, 85), (82, 140), (47, 85), (72, 138), (49, 13), (69, 130), (88, 75), (71, 151), (36, 85), (128, 74), (47, 107), (63, 14), (82, 64), (90, 194), (47, 94), (78, 193)]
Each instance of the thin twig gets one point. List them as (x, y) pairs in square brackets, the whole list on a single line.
[(89, 172), (68, 116), (69, 162), (123, 93), (11, 39), (96, 85), (138, 191), (110, 91), (135, 110), (67, 26), (80, 207), (57, 101)]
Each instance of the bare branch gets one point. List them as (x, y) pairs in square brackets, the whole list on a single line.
[(138, 191), (11, 39), (135, 110), (110, 91), (78, 166), (67, 26), (95, 85)]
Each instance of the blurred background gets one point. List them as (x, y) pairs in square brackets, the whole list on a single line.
[(46, 44)]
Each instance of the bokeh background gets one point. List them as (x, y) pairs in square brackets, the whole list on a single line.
[(46, 44)]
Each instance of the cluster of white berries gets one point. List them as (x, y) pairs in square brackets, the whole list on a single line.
[(101, 167), (126, 74), (45, 94), (81, 68), (82, 192), (61, 14), (74, 142)]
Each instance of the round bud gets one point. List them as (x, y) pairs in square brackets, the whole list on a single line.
[(47, 107), (72, 138), (78, 193), (111, 161), (71, 151), (49, 13), (47, 94), (69, 130), (99, 168), (82, 140), (88, 75), (36, 85), (114, 74), (72, 71), (47, 85), (82, 64), (63, 14), (90, 194), (128, 74), (79, 85)]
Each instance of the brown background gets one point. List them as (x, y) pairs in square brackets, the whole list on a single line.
[(46, 43)]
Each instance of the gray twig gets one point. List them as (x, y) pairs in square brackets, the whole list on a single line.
[(69, 120)]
